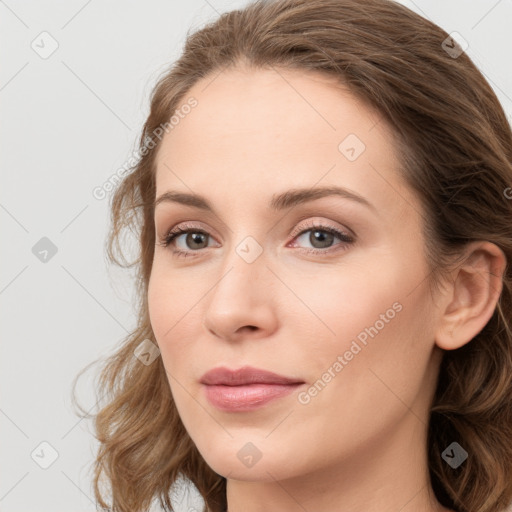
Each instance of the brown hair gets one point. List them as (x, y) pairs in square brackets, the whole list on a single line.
[(455, 147)]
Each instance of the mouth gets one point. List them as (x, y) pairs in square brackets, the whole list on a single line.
[(245, 389)]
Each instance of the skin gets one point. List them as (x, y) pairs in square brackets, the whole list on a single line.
[(360, 443)]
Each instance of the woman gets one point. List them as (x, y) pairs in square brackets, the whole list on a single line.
[(325, 300)]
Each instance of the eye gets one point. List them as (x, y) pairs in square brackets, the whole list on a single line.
[(194, 238), (321, 237)]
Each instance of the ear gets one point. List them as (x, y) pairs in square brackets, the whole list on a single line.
[(472, 295)]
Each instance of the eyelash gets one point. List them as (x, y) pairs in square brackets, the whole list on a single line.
[(171, 235)]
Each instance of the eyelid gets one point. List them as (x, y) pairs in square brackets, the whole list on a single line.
[(322, 224), (182, 226)]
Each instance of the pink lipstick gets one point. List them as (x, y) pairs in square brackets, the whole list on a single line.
[(245, 389)]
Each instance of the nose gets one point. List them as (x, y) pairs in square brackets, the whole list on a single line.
[(242, 303)]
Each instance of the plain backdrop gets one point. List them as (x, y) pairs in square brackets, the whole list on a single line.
[(75, 78)]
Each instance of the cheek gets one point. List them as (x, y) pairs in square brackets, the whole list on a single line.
[(170, 294), (341, 303), (359, 385), (376, 318), (164, 309), (174, 311)]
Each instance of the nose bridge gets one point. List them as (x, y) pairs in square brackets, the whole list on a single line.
[(243, 268), (240, 297)]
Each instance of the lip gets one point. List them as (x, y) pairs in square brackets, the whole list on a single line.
[(245, 389), (246, 375)]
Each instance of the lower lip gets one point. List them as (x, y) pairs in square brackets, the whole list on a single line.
[(246, 398)]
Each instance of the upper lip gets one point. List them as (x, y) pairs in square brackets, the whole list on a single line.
[(246, 375)]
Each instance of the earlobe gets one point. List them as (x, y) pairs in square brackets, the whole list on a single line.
[(472, 295)]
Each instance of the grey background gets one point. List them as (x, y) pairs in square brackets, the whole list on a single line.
[(68, 122)]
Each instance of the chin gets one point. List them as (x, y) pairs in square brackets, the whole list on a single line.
[(248, 463)]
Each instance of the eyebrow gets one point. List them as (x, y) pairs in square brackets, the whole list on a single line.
[(278, 202)]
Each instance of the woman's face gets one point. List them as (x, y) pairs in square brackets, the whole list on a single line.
[(327, 289)]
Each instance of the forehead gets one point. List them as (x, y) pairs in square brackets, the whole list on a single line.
[(269, 129)]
